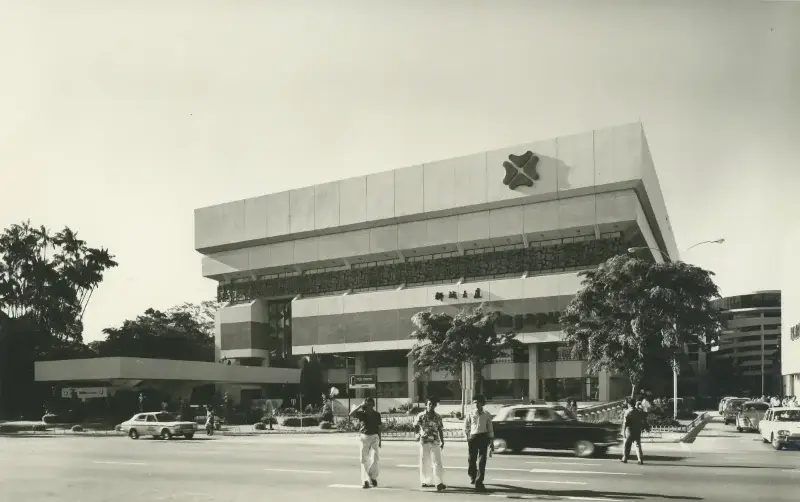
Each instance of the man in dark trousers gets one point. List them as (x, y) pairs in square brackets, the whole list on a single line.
[(370, 438), (480, 435), (634, 422)]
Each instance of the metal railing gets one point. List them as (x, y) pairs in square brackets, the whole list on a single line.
[(606, 412)]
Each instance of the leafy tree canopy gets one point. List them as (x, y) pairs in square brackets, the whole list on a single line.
[(185, 332), (445, 343), (631, 311), (48, 278), (46, 282)]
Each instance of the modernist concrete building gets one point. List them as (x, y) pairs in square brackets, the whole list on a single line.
[(790, 302), (751, 336), (340, 268)]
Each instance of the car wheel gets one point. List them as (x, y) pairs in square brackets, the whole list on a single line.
[(500, 446), (133, 434), (765, 440), (189, 436), (166, 434), (738, 429), (775, 444), (584, 448)]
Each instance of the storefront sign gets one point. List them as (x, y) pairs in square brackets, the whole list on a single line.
[(369, 381), (85, 392)]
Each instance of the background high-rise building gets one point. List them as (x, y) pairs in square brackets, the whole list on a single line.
[(752, 338)]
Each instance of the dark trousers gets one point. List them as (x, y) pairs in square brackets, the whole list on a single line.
[(478, 446), (631, 438)]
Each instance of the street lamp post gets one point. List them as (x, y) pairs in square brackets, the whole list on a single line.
[(674, 363)]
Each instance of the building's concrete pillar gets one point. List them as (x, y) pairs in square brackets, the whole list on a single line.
[(533, 371), (604, 386), (412, 382), (360, 369)]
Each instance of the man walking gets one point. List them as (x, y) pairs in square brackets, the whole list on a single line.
[(430, 430), (370, 438), (633, 423), (479, 433)]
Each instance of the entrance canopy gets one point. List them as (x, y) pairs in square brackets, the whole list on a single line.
[(133, 369)]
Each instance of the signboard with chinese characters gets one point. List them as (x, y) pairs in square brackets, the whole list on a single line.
[(85, 392), (369, 381)]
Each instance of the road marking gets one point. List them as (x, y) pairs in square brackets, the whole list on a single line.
[(303, 471), (559, 471), (538, 481), (562, 463), (540, 497), (102, 462), (360, 486), (416, 466)]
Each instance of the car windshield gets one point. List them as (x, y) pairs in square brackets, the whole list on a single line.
[(787, 416), (736, 405), (755, 407), (165, 417)]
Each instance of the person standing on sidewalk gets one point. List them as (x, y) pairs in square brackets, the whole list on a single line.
[(479, 433), (430, 430), (633, 424), (370, 438)]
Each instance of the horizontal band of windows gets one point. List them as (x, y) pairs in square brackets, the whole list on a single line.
[(445, 270)]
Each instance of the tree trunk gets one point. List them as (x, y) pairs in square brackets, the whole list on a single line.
[(633, 390), (477, 380)]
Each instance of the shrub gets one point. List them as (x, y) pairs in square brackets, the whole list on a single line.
[(267, 419), (347, 424), (287, 412), (655, 420), (325, 425), (77, 428), (259, 426), (296, 421)]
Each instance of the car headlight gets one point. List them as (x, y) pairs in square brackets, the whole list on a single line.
[(783, 433)]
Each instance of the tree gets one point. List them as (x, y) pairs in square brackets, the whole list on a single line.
[(447, 343), (312, 380), (46, 282), (631, 312), (185, 332)]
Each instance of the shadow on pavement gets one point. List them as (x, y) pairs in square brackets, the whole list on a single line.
[(648, 456), (511, 491)]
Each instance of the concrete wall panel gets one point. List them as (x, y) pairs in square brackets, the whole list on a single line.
[(380, 196), (301, 210), (409, 191), (278, 214), (353, 200), (326, 205)]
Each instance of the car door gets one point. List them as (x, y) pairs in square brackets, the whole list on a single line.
[(765, 424), (539, 432), (516, 428), (151, 425)]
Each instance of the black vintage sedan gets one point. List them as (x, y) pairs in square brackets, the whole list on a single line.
[(550, 428)]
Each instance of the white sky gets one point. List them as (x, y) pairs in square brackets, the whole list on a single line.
[(119, 118)]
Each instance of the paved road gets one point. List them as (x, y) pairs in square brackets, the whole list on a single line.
[(94, 469)]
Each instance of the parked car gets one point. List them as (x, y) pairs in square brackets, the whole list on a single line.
[(732, 408), (160, 425), (550, 428), (781, 427), (723, 402), (751, 414)]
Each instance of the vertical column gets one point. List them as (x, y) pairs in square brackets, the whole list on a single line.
[(412, 383), (360, 369), (533, 371), (604, 384)]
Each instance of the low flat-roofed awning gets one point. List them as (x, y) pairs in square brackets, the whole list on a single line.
[(131, 368)]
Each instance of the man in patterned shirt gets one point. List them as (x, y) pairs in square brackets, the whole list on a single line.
[(430, 431)]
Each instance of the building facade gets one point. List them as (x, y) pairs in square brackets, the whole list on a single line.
[(751, 337), (790, 299), (340, 268)]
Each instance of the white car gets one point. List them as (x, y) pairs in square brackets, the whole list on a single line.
[(781, 427), (160, 424)]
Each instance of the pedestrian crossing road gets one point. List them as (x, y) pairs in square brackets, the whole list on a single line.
[(283, 468)]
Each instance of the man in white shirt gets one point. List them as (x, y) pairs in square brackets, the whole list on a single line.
[(479, 433)]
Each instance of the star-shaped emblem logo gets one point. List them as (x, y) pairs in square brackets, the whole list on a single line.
[(521, 170)]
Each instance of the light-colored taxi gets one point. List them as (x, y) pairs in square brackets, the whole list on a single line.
[(732, 409), (723, 402), (160, 425), (750, 416), (781, 427)]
